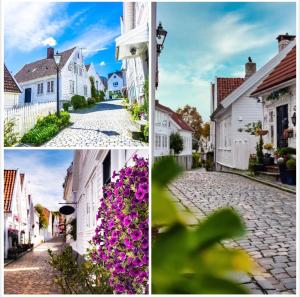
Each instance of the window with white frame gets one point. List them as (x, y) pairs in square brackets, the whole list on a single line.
[(225, 137), (40, 87), (50, 86), (72, 86), (85, 90), (115, 84)]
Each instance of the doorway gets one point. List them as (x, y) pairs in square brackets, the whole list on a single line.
[(282, 124), (27, 95)]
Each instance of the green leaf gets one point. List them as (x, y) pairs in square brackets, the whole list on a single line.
[(222, 224), (165, 170), (164, 211)]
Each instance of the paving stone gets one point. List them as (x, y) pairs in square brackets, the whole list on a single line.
[(38, 276), (269, 214), (107, 124)]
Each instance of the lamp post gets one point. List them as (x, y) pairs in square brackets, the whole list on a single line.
[(293, 118), (161, 35), (57, 58)]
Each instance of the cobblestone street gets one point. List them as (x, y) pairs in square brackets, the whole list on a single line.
[(105, 125), (31, 274), (270, 216)]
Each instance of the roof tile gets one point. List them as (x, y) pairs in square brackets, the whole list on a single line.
[(9, 182), (226, 85), (10, 84)]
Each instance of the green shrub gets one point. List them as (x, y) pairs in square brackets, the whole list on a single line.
[(286, 150), (78, 101), (66, 106), (135, 111), (291, 164), (10, 136), (101, 96), (91, 101), (196, 160), (146, 132), (252, 163), (39, 135), (93, 88), (176, 143)]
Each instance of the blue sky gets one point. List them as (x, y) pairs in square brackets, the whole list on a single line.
[(90, 25), (206, 40), (45, 170)]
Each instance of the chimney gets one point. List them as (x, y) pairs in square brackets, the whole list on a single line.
[(128, 16), (50, 53), (284, 40), (250, 68)]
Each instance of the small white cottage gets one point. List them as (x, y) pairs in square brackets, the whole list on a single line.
[(91, 72), (233, 107), (38, 79), (115, 82)]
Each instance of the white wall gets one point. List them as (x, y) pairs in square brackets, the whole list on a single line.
[(11, 99), (115, 83)]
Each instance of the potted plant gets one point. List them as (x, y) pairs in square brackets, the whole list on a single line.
[(259, 155), (268, 159), (291, 172)]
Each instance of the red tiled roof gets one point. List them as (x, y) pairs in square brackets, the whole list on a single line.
[(10, 84), (9, 182), (284, 71), (175, 117), (226, 85), (42, 68)]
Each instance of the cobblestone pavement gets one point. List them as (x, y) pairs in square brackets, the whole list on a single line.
[(107, 124), (270, 216), (31, 274)]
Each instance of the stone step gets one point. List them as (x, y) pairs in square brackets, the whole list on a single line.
[(272, 168), (270, 176)]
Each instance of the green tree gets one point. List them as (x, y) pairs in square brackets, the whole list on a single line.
[(94, 93), (176, 142), (43, 219), (192, 117), (206, 130)]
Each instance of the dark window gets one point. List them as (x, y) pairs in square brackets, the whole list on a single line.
[(106, 169)]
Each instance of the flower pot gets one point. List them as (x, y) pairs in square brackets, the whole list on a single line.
[(282, 171), (291, 176), (268, 160), (258, 167)]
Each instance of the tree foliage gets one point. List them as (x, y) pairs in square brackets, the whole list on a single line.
[(192, 117), (43, 218), (176, 143), (206, 130)]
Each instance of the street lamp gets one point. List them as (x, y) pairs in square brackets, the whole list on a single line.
[(161, 35), (57, 58)]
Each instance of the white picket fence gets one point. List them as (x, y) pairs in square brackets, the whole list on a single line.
[(25, 117)]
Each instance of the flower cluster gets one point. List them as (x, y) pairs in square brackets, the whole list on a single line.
[(121, 237)]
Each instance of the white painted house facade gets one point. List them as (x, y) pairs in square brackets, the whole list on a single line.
[(234, 110), (91, 72), (166, 123), (38, 79), (132, 48), (115, 82), (17, 214), (278, 94), (12, 90), (91, 169)]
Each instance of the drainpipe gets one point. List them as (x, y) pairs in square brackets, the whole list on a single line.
[(215, 146)]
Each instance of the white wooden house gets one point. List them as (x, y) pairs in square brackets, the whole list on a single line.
[(234, 107), (17, 215), (91, 72), (11, 90), (91, 169), (166, 123), (132, 47), (38, 79), (47, 233), (278, 94), (115, 82)]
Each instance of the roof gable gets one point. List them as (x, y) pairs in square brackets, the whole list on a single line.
[(284, 71), (10, 85), (256, 77), (118, 73), (9, 184), (42, 68)]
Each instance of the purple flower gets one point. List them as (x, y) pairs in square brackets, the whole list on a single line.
[(137, 262), (127, 221), (136, 235), (119, 269), (128, 243)]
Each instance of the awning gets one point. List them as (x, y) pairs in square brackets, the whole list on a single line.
[(136, 38)]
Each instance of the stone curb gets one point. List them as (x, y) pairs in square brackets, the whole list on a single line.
[(261, 181), (18, 257)]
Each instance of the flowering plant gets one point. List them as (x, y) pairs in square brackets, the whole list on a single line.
[(121, 237)]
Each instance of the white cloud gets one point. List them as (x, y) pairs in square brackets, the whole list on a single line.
[(102, 63), (94, 39), (45, 180), (28, 24), (49, 41)]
